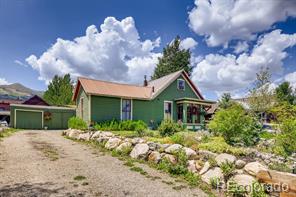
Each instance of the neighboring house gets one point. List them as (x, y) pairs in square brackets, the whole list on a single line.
[(35, 100), (173, 96)]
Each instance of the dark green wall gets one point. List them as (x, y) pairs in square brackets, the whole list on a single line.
[(104, 108)]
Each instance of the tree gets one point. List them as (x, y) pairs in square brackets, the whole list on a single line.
[(225, 101), (284, 93), (173, 59), (235, 125), (59, 91), (261, 97)]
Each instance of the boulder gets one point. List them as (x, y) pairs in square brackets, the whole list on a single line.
[(170, 158), (106, 134), (153, 146), (243, 180), (84, 136), (154, 156), (96, 135), (189, 152), (205, 168), (212, 173), (240, 164), (140, 151), (254, 167), (198, 166), (73, 133), (173, 148), (124, 146), (191, 166), (112, 143), (137, 140), (224, 157), (102, 139)]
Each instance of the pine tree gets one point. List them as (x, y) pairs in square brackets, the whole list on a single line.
[(59, 91), (173, 59), (285, 93)]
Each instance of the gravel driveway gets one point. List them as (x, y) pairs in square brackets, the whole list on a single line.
[(43, 163)]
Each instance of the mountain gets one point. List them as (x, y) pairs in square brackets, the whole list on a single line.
[(16, 90)]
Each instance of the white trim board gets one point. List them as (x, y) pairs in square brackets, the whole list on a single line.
[(42, 114)]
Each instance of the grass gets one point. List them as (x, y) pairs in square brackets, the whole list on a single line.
[(8, 132), (266, 135), (47, 149), (138, 169), (79, 178)]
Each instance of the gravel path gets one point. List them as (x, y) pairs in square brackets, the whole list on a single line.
[(43, 163)]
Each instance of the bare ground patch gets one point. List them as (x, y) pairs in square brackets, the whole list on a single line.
[(47, 149)]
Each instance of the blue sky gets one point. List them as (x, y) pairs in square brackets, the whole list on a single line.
[(31, 27)]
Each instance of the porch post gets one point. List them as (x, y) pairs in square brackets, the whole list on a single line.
[(202, 117), (184, 114)]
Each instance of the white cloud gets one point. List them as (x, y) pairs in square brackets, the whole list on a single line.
[(241, 47), (188, 43), (221, 21), (231, 73), (20, 63), (291, 77), (3, 81), (115, 53)]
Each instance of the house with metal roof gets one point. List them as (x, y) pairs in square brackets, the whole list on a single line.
[(173, 96)]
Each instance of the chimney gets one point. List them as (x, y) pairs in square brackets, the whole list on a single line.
[(145, 80)]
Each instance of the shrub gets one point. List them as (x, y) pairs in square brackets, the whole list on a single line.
[(169, 127), (77, 123), (218, 145), (235, 190), (235, 126), (287, 138), (258, 190), (127, 125), (227, 169), (215, 182)]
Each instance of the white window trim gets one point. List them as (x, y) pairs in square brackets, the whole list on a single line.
[(178, 84), (121, 107), (29, 110), (172, 109)]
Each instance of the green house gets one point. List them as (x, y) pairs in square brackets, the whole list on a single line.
[(173, 96)]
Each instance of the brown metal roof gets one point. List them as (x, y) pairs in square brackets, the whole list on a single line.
[(104, 88)]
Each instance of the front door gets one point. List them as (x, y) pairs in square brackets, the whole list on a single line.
[(168, 110)]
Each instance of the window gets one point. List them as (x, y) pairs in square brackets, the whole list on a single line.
[(168, 110), (126, 109), (181, 84)]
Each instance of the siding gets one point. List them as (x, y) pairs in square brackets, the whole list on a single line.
[(105, 108), (86, 115)]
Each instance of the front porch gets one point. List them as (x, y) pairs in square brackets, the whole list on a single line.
[(191, 112)]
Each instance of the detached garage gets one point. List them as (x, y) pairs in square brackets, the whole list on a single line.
[(40, 117)]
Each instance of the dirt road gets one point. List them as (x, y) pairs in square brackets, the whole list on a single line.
[(43, 163)]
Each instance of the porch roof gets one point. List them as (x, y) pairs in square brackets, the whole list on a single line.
[(195, 101)]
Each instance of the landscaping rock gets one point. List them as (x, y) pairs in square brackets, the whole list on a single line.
[(96, 135), (212, 173), (170, 158), (173, 148), (254, 167), (84, 136), (224, 157), (124, 146), (112, 143), (73, 133), (198, 166), (137, 140), (189, 152), (154, 156), (240, 164), (205, 168), (102, 139), (106, 134), (191, 166), (244, 180), (153, 146), (164, 146), (140, 151)]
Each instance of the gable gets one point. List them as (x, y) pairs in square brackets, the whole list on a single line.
[(172, 92)]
